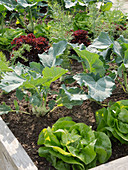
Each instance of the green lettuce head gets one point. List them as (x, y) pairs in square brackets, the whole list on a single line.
[(114, 121), (70, 145)]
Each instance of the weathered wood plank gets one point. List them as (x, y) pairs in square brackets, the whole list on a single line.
[(12, 154), (118, 164)]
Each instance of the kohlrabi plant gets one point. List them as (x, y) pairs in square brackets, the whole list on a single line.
[(70, 145), (113, 121), (100, 86), (33, 83), (113, 52)]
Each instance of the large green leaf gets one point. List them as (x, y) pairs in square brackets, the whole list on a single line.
[(11, 81), (98, 89), (92, 61), (102, 42), (63, 123), (59, 47), (70, 92), (53, 74), (50, 60)]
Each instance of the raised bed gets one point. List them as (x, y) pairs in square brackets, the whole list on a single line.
[(12, 154)]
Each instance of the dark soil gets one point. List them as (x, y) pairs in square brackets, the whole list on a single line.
[(26, 128)]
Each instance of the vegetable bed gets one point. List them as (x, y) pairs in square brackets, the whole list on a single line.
[(63, 65)]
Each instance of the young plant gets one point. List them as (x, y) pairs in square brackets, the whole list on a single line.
[(106, 46), (70, 145), (33, 83), (99, 85), (113, 121)]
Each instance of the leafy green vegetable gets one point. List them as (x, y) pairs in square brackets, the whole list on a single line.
[(73, 145), (31, 80), (114, 120)]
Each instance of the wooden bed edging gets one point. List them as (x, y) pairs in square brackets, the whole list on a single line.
[(12, 154), (118, 164)]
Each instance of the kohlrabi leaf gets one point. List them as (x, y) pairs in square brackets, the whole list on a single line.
[(92, 61), (52, 74), (102, 42), (50, 60), (98, 89), (24, 3), (121, 39), (11, 81), (4, 109), (126, 59), (74, 93), (59, 47), (65, 97), (36, 67)]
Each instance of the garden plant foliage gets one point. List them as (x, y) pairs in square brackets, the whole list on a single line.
[(73, 145), (113, 121)]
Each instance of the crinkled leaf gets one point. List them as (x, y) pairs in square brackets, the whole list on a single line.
[(122, 127), (63, 123), (103, 147), (4, 109), (98, 89), (92, 61), (123, 115), (67, 159)]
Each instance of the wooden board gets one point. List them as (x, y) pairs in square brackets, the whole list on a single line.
[(12, 154), (118, 164)]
